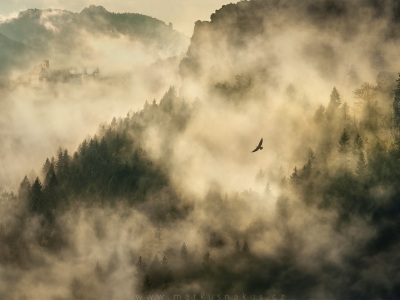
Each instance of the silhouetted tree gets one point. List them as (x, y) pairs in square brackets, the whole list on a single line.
[(147, 283), (319, 115), (140, 264), (164, 262), (306, 170), (24, 188), (344, 142), (245, 247), (295, 176), (184, 252), (345, 111), (333, 105), (156, 264), (50, 196), (361, 165), (237, 246), (46, 167), (396, 110), (36, 197), (358, 144)]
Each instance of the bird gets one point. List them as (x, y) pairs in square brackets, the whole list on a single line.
[(259, 147)]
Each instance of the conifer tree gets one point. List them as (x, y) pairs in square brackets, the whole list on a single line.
[(140, 264), (46, 167), (344, 142), (361, 165), (164, 262), (36, 197), (237, 246), (155, 265), (184, 252), (245, 247), (358, 144), (333, 105), (295, 176), (319, 115), (147, 283), (24, 188), (396, 111)]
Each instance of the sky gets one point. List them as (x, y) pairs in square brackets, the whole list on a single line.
[(182, 13)]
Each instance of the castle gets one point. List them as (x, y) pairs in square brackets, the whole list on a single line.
[(42, 75)]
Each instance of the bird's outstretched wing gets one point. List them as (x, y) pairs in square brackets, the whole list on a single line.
[(259, 146)]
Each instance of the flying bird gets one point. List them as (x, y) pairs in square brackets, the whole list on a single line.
[(259, 147)]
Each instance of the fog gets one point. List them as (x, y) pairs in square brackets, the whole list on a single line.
[(181, 13), (251, 224)]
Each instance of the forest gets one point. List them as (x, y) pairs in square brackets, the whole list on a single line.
[(350, 174)]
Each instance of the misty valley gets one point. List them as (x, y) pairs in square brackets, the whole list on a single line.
[(132, 165)]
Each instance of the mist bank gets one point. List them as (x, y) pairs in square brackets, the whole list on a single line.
[(306, 47), (81, 38), (55, 95), (142, 229), (170, 199)]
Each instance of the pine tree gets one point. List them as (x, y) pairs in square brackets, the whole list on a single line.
[(361, 165), (245, 248), (50, 192), (36, 197), (147, 283), (237, 246), (140, 264), (168, 100), (164, 262), (63, 163), (51, 178), (184, 252), (158, 234), (267, 190), (333, 105), (344, 142), (358, 144), (319, 115), (46, 167), (295, 176), (24, 188), (345, 111), (396, 111), (307, 169), (155, 265), (335, 98)]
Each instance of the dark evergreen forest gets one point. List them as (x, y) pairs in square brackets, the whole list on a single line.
[(351, 173)]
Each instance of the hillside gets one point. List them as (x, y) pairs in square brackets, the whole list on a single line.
[(280, 43), (12, 53), (56, 34)]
